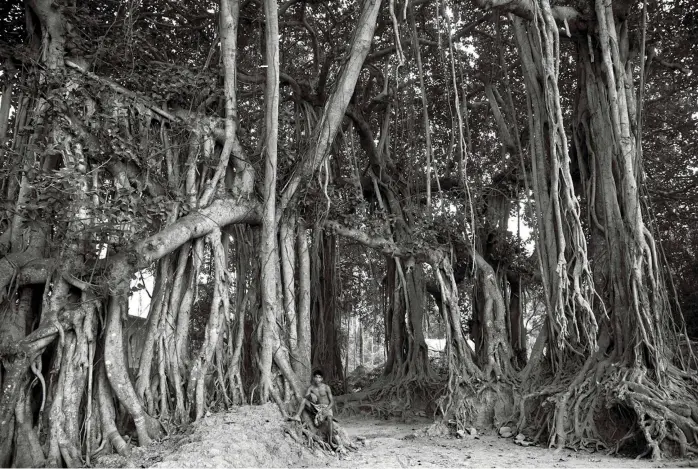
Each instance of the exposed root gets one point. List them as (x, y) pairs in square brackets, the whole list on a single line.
[(392, 396), (40, 378), (481, 405), (316, 438), (617, 408)]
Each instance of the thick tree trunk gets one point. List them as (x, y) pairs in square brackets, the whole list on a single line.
[(28, 451), (116, 369), (629, 364), (324, 319), (408, 358), (495, 351), (13, 330), (561, 242)]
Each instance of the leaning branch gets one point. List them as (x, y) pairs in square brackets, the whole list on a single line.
[(121, 90), (386, 246), (333, 114), (220, 213), (25, 269)]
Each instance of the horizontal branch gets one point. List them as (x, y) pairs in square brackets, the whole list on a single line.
[(391, 49), (21, 268), (26, 269), (525, 9), (442, 184), (387, 246), (469, 28), (674, 66), (220, 213)]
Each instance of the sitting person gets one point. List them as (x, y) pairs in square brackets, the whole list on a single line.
[(318, 401)]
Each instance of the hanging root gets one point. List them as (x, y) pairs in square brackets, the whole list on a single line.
[(41, 380)]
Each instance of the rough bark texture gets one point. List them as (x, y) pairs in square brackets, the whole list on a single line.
[(303, 364)]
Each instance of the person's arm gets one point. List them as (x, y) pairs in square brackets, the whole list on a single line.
[(329, 395)]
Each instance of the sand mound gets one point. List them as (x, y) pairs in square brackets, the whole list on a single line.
[(249, 436)]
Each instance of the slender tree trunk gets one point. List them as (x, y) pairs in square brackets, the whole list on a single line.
[(360, 333), (152, 338), (214, 327), (288, 275), (5, 104), (268, 251), (108, 414), (272, 349), (517, 330), (303, 357), (116, 369)]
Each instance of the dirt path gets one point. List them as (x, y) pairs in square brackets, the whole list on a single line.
[(392, 444), (255, 437)]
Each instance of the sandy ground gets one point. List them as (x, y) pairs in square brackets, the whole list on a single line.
[(254, 437), (391, 444)]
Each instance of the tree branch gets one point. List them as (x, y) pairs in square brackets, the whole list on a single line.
[(121, 90), (525, 9), (220, 213), (386, 246), (333, 114), (26, 268), (23, 268)]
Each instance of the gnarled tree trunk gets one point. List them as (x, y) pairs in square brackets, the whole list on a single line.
[(627, 366)]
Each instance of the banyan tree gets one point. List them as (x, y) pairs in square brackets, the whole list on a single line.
[(612, 340), (229, 151)]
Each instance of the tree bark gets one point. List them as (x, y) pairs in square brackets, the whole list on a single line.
[(304, 301), (269, 254), (288, 275), (324, 320), (116, 370)]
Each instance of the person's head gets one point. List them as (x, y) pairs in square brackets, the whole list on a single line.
[(318, 376)]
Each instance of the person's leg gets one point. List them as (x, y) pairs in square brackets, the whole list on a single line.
[(330, 421)]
